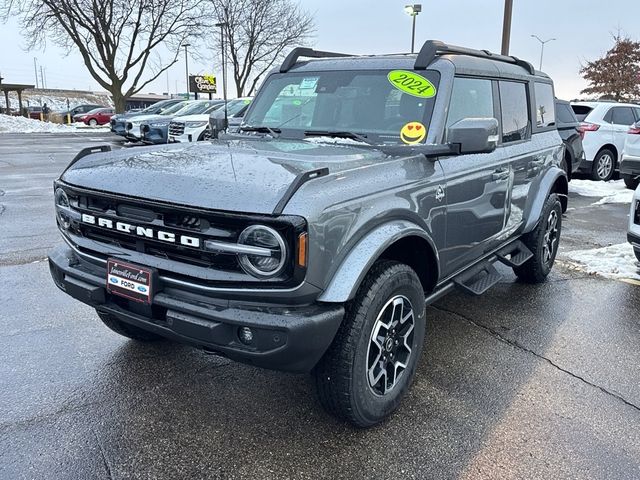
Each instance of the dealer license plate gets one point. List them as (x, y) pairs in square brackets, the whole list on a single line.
[(129, 281)]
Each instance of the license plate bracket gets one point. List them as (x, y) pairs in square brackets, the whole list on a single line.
[(130, 281)]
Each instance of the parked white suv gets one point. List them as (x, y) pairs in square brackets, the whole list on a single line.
[(605, 125)]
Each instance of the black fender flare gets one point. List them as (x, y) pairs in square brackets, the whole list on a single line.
[(347, 278), (553, 181)]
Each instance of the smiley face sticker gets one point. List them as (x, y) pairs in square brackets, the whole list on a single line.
[(412, 133)]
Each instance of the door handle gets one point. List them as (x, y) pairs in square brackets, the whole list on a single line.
[(500, 174)]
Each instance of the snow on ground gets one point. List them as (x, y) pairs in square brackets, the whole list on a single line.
[(10, 124), (613, 191), (615, 261), (57, 100)]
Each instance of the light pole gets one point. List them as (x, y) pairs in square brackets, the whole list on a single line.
[(413, 11), (506, 26), (186, 64), (224, 69), (542, 42)]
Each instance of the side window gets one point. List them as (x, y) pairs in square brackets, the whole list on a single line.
[(545, 105), (637, 112), (515, 111), (565, 114), (622, 116), (470, 97)]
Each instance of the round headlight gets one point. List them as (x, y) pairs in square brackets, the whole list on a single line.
[(62, 200), (263, 264)]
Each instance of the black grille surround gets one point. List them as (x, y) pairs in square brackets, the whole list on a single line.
[(195, 223)]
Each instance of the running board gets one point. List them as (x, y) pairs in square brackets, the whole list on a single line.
[(478, 280), (515, 254)]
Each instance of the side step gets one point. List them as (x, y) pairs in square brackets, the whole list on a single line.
[(515, 254), (478, 280)]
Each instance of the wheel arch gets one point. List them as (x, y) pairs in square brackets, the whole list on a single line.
[(554, 181), (612, 147), (399, 240)]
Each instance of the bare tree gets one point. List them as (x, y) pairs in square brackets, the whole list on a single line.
[(617, 73), (257, 33), (118, 40)]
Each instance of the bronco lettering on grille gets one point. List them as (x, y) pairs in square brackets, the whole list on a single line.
[(147, 232)]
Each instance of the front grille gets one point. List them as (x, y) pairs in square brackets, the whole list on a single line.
[(176, 129), (182, 222)]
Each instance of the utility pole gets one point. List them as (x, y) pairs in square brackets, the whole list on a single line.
[(41, 77), (224, 70), (506, 26), (186, 66), (35, 68)]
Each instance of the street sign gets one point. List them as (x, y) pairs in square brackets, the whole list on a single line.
[(202, 84)]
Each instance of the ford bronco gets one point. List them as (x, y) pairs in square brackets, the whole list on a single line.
[(358, 190)]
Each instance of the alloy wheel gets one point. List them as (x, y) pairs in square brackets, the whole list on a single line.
[(605, 165), (390, 344)]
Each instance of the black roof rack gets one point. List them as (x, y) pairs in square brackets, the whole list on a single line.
[(298, 52), (432, 48)]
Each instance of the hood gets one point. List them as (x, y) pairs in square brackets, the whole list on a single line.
[(146, 118), (193, 118), (249, 176)]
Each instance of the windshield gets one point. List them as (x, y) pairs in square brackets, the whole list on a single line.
[(195, 108), (376, 104), (173, 108), (234, 107)]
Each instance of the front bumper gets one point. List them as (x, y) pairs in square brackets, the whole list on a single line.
[(155, 135), (284, 338), (133, 133)]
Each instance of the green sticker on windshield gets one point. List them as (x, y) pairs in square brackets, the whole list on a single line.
[(412, 83)]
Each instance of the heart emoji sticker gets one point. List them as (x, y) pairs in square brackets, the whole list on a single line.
[(412, 133)]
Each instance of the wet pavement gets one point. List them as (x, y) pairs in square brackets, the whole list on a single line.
[(523, 382)]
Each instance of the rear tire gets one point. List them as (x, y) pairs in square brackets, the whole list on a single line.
[(543, 242), (372, 361), (631, 182), (604, 165), (126, 330)]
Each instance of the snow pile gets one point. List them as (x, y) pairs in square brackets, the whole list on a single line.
[(614, 191), (10, 124), (335, 140), (616, 261)]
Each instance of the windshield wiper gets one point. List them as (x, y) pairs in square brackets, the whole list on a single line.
[(340, 134), (274, 132)]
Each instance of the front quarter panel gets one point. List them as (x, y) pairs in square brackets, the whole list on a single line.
[(344, 209)]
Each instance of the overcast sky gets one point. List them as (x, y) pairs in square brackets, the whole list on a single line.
[(583, 30)]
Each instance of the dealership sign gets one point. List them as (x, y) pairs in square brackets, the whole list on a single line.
[(202, 84)]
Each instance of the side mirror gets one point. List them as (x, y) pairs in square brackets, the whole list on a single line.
[(217, 125), (474, 135)]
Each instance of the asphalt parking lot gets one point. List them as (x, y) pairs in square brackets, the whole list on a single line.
[(523, 382)]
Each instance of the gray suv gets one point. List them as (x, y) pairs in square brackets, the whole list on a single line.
[(358, 190)]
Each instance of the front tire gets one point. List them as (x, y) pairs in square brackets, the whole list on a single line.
[(126, 330), (93, 122), (637, 253), (631, 182), (603, 165), (543, 242), (372, 361)]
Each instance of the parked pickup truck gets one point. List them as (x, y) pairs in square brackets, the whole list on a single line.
[(313, 238)]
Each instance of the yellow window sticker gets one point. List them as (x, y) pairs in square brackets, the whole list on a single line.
[(412, 83), (412, 133)]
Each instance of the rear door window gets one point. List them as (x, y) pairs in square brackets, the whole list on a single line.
[(514, 108), (622, 116), (545, 105), (581, 111)]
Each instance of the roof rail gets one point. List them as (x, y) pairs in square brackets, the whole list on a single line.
[(432, 48), (298, 52)]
